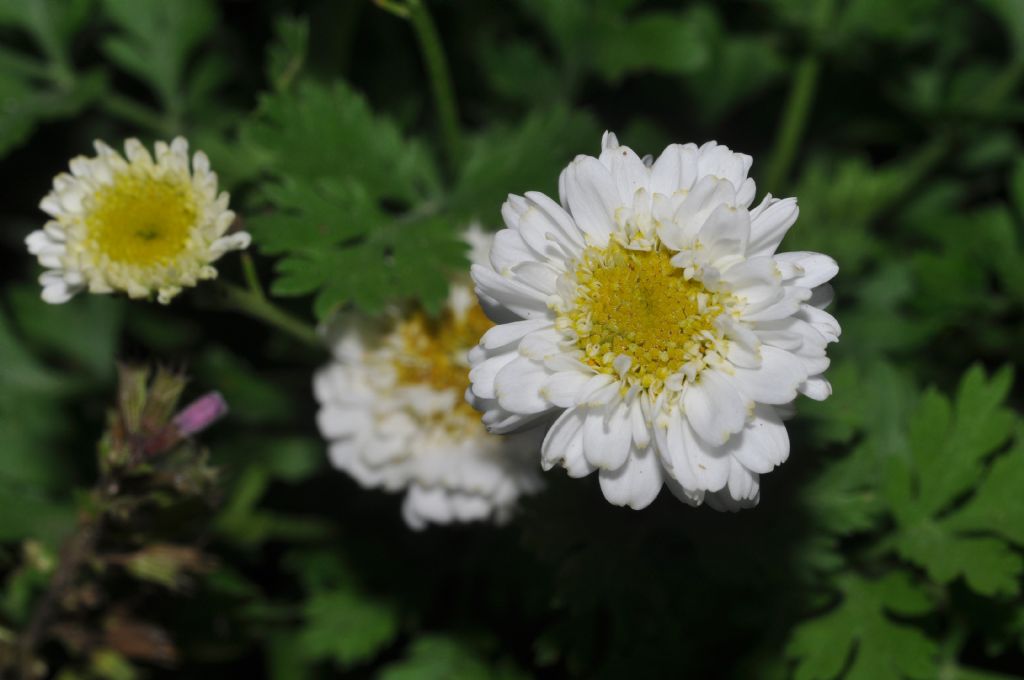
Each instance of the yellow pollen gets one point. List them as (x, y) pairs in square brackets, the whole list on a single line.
[(141, 220), (638, 304), (433, 352)]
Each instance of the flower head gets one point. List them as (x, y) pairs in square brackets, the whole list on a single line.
[(392, 408), (652, 310), (138, 224)]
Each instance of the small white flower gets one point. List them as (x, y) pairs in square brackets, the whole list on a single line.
[(393, 409), (652, 310), (133, 224)]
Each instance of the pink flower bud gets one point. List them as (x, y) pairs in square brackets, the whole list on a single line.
[(200, 414)]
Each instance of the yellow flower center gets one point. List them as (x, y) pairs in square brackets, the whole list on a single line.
[(433, 351), (636, 303), (142, 220)]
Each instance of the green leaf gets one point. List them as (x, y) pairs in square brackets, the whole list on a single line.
[(286, 56), (948, 446), (312, 216), (661, 42), (156, 40), (347, 627), (96, 319), (319, 132), (435, 657), (601, 38), (52, 23), (1017, 188), (340, 174), (738, 67), (527, 157), (27, 102), (859, 634)]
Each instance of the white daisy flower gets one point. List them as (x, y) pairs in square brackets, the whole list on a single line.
[(393, 409), (133, 223), (651, 309)]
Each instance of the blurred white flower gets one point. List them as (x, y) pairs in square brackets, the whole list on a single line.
[(393, 409), (133, 223), (652, 310)]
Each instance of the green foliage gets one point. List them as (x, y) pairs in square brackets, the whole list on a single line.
[(339, 241), (861, 627), (948, 448), (889, 545), (434, 657), (156, 39)]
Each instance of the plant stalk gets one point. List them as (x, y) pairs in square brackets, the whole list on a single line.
[(255, 305), (440, 79), (797, 108)]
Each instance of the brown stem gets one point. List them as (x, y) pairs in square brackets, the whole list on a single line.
[(74, 553)]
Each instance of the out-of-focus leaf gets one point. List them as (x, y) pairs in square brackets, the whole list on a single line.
[(435, 657), (156, 40), (347, 627), (25, 103), (96, 321), (601, 37), (251, 397), (948, 444), (527, 157), (287, 54)]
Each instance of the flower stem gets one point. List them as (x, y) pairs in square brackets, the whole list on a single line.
[(437, 70), (797, 107), (255, 305), (252, 278)]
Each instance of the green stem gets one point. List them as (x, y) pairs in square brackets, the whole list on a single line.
[(797, 107), (257, 306), (252, 278), (440, 79)]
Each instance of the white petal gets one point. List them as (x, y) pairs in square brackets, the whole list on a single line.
[(564, 445), (517, 298), (607, 437), (482, 375), (675, 169), (562, 388), (817, 388), (774, 218), (775, 381), (517, 387), (714, 407), (592, 197), (817, 268), (512, 332), (763, 443), (636, 483)]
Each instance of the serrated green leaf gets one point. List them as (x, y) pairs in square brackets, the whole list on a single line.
[(995, 506), (948, 444), (860, 627), (310, 216), (319, 132), (347, 627), (948, 463)]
